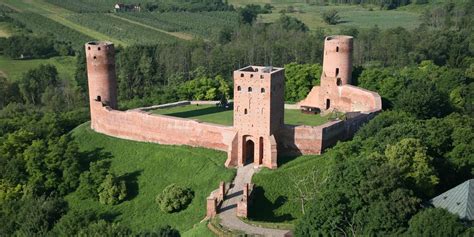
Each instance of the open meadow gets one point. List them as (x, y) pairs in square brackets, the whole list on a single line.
[(148, 169), (13, 69)]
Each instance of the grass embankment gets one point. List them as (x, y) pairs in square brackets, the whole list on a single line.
[(13, 69), (276, 196), (213, 114), (148, 169)]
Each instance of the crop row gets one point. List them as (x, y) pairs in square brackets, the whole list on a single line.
[(43, 25), (204, 24), (120, 29)]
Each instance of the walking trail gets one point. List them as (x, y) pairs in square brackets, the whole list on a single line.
[(228, 210)]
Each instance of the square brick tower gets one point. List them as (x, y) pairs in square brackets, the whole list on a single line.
[(258, 113)]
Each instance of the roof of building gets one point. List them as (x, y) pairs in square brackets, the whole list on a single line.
[(458, 200)]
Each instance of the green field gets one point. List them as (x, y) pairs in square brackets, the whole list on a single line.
[(213, 114), (13, 69), (276, 196), (148, 169), (351, 15)]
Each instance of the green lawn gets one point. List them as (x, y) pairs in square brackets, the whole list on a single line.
[(275, 197), (148, 169), (13, 69), (212, 114)]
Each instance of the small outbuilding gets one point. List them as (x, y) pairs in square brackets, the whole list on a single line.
[(458, 200)]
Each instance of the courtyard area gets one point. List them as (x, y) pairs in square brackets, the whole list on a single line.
[(217, 115)]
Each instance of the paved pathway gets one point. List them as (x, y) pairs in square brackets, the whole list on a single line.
[(228, 210)]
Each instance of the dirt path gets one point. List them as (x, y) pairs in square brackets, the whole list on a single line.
[(180, 35), (227, 212)]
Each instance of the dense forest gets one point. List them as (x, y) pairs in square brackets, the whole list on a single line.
[(421, 145)]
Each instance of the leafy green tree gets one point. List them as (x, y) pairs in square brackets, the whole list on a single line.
[(331, 17), (74, 221), (174, 198), (35, 81), (166, 231), (410, 157), (104, 228), (248, 14), (435, 222), (31, 216), (91, 180), (112, 190), (300, 79), (291, 23), (360, 197)]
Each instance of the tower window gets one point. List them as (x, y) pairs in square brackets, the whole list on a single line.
[(88, 48), (338, 81), (337, 71), (328, 103), (262, 90), (95, 57), (337, 49), (250, 89), (98, 98), (98, 48), (251, 75), (238, 88), (245, 111), (241, 75), (261, 76)]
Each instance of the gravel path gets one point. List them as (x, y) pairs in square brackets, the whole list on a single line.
[(228, 210)]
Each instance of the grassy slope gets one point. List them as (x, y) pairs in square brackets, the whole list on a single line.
[(275, 199), (212, 114), (15, 68), (152, 167)]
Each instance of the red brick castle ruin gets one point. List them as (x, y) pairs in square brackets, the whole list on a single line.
[(259, 133)]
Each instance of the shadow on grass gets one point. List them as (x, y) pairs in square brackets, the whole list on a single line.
[(282, 160), (109, 216), (132, 184), (87, 157), (263, 209), (198, 112)]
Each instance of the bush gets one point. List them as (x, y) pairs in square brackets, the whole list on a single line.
[(112, 190), (331, 17), (435, 222), (174, 198)]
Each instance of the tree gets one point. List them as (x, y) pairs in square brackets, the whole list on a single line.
[(247, 14), (33, 84), (410, 158), (331, 17), (291, 23), (435, 222), (174, 198), (91, 180), (166, 231), (112, 190), (300, 79)]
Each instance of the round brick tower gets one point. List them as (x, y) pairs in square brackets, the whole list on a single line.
[(337, 62), (100, 58)]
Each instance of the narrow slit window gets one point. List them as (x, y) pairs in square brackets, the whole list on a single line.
[(250, 89)]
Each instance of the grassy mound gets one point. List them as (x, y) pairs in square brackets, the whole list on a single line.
[(148, 169), (276, 195)]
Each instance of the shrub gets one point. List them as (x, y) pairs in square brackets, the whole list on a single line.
[(174, 198), (331, 17), (112, 190)]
